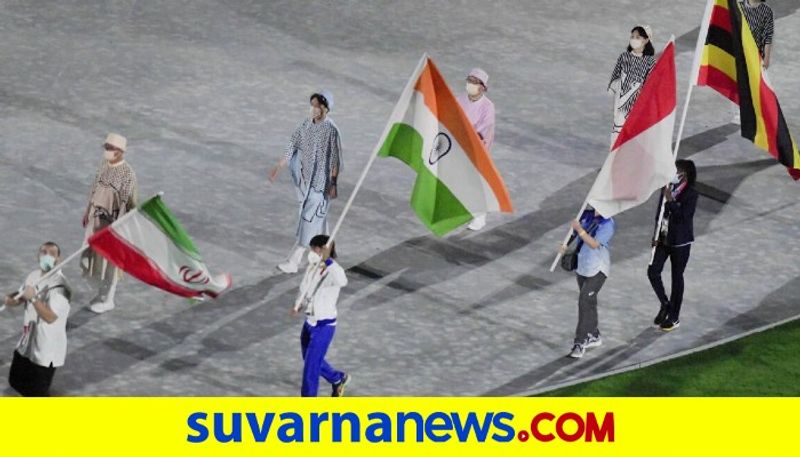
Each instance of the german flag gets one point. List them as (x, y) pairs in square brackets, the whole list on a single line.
[(729, 62)]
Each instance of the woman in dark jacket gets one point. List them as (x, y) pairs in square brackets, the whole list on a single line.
[(674, 242)]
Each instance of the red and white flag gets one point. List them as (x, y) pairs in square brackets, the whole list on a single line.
[(641, 160)]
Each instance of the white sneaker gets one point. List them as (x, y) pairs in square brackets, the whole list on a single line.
[(478, 223), (292, 264), (737, 118), (102, 307), (288, 267), (577, 351), (593, 342)]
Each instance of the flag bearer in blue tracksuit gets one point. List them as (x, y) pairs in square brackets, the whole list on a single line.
[(319, 292)]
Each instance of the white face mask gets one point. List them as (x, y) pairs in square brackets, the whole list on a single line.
[(473, 89), (677, 179), (47, 262), (314, 112), (313, 257), (637, 44), (109, 155)]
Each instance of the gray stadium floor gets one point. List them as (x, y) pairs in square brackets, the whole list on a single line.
[(208, 94)]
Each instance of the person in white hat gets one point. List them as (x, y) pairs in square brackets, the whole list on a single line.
[(629, 74), (113, 193), (480, 112), (314, 156)]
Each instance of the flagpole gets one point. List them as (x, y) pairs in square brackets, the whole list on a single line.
[(360, 182), (75, 254), (692, 83), (566, 238)]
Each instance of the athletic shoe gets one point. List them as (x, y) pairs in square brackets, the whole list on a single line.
[(478, 223), (660, 317), (288, 267), (338, 388), (102, 307), (593, 342), (577, 351), (670, 325)]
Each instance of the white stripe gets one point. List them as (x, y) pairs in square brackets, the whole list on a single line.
[(455, 170), (140, 232)]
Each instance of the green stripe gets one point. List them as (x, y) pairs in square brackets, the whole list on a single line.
[(433, 202), (158, 213)]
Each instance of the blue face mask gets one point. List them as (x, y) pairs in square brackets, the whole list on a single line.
[(47, 262)]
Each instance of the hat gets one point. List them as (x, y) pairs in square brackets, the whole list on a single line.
[(648, 30), (117, 140), (328, 98), (481, 75)]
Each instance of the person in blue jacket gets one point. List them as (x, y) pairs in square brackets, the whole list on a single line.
[(674, 242)]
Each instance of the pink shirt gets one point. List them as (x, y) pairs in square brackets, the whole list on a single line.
[(481, 114)]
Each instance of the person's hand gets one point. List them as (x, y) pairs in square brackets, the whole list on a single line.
[(654, 243), (576, 225), (326, 253), (29, 293), (9, 300), (273, 173), (765, 64), (332, 192), (562, 248), (294, 311), (667, 193)]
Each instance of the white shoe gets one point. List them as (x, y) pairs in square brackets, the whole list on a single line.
[(478, 223), (737, 118), (102, 307), (288, 267), (292, 264), (593, 342)]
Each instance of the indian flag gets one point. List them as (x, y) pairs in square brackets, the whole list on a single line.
[(150, 244), (429, 132)]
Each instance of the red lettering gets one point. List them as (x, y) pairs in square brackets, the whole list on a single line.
[(574, 417), (535, 427)]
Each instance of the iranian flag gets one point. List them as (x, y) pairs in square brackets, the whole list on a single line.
[(641, 160), (429, 132), (150, 244)]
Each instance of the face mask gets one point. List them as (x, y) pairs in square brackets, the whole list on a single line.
[(313, 257), (109, 155), (47, 262), (637, 43), (677, 179), (473, 89), (314, 112)]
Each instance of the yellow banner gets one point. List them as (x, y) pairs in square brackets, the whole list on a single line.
[(374, 427)]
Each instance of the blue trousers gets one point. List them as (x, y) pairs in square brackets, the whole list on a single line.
[(314, 343)]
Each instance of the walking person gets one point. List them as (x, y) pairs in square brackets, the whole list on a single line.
[(319, 293), (629, 75), (114, 192), (314, 158), (674, 242), (761, 20), (43, 345), (594, 266), (480, 112)]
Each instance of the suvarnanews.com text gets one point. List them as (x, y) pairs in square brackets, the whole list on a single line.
[(400, 427)]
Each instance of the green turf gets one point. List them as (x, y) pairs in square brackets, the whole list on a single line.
[(760, 365)]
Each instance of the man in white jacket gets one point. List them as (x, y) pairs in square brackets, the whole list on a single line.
[(43, 345), (319, 292)]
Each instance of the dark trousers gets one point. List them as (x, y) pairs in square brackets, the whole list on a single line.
[(587, 306), (678, 258), (29, 379), (314, 343)]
